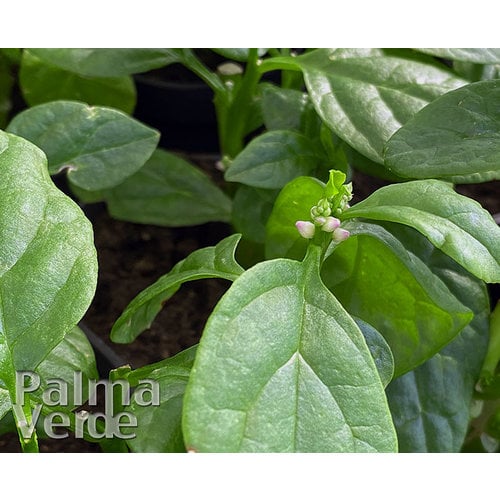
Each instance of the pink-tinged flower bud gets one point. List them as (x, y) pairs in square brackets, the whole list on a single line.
[(330, 224), (319, 221), (340, 235), (305, 228)]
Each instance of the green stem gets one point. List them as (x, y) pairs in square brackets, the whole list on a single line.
[(233, 124), (493, 354), (23, 419)]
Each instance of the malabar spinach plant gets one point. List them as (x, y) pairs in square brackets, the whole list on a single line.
[(347, 327)]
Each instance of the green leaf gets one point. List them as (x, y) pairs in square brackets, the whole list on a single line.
[(431, 404), (293, 204), (251, 210), (210, 262), (42, 82), (100, 147), (168, 191), (480, 56), (378, 280), (455, 137), (281, 367), (364, 96), (379, 349), (283, 109), (456, 224), (48, 264), (106, 63), (273, 159), (238, 54), (159, 427)]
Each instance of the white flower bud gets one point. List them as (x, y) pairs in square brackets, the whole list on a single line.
[(305, 228), (340, 235), (330, 224)]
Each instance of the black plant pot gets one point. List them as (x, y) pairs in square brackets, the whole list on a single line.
[(183, 111)]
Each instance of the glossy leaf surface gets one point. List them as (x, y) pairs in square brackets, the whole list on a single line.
[(455, 224), (273, 159), (105, 62), (378, 280), (431, 404), (456, 137), (48, 265), (100, 147), (282, 367), (168, 191), (476, 55), (364, 96), (210, 262), (42, 82)]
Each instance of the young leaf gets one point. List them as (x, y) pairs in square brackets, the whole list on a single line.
[(281, 367), (168, 191), (42, 82), (48, 264), (100, 147), (364, 96), (273, 159), (478, 56), (159, 427), (431, 404), (378, 280), (455, 137), (105, 63), (210, 262), (456, 224), (293, 203)]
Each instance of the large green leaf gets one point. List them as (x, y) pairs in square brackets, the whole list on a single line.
[(48, 264), (281, 367), (42, 82), (106, 63), (456, 137), (168, 191), (479, 56), (456, 224), (100, 147), (365, 96), (378, 280), (159, 427), (293, 204), (273, 159), (210, 262), (431, 405)]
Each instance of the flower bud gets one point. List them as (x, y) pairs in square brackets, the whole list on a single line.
[(340, 235), (305, 228), (319, 221), (330, 224)]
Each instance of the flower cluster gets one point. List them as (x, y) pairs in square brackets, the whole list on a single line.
[(336, 201)]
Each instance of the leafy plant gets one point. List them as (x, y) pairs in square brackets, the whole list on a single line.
[(352, 326)]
